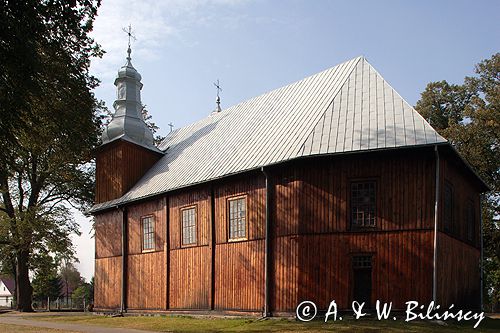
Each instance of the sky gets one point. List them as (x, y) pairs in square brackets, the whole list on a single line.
[(253, 46)]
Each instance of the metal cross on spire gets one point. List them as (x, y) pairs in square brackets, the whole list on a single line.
[(128, 31), (219, 89)]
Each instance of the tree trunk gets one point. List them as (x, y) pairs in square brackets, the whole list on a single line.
[(24, 291)]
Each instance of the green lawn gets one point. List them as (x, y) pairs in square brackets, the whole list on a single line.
[(191, 324), (8, 328)]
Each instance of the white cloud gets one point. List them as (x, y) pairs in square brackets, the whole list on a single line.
[(154, 23)]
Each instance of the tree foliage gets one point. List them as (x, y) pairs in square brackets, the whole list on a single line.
[(86, 291), (46, 282), (70, 277), (49, 124), (468, 115)]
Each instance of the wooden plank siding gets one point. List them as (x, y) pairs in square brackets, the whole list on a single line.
[(402, 267), (190, 265), (119, 165), (108, 260), (239, 265), (458, 273), (146, 272), (313, 243), (107, 283), (464, 190), (311, 240), (458, 260)]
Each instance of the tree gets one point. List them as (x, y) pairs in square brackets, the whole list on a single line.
[(50, 124), (46, 283), (151, 125), (70, 277), (85, 291), (468, 115)]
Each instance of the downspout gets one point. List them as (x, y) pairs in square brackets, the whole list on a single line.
[(482, 252), (212, 248), (436, 203), (266, 249), (123, 304)]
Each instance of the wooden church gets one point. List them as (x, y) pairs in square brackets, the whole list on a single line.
[(330, 188)]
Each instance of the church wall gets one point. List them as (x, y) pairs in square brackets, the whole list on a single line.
[(146, 270), (311, 242), (119, 166), (107, 281), (458, 273), (190, 276), (465, 191), (459, 251), (239, 265)]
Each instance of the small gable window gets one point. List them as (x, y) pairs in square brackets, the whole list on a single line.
[(363, 204), (148, 233), (188, 216), (237, 210)]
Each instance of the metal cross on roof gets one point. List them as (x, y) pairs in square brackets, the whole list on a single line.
[(128, 31), (171, 126), (219, 89), (217, 86)]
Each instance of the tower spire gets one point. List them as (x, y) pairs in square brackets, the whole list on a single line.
[(128, 122)]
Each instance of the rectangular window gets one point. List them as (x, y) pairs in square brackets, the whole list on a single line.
[(188, 226), (237, 218), (448, 206), (148, 233), (363, 204), (470, 221)]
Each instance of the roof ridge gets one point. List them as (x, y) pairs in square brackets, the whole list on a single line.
[(162, 146), (322, 114), (404, 100)]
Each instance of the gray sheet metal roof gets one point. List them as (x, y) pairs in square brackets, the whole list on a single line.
[(346, 108)]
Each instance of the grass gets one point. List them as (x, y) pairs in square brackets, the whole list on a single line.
[(8, 328), (191, 324)]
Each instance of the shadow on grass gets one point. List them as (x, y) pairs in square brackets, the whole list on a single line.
[(186, 324)]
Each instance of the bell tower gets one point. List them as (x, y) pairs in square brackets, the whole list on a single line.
[(127, 149)]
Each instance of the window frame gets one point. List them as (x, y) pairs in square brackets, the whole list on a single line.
[(228, 219), (470, 208), (356, 227), (153, 223), (181, 224), (448, 223)]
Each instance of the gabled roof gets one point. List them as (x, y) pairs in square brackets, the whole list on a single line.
[(9, 283), (347, 108)]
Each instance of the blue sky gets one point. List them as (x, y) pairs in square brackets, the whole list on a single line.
[(183, 46)]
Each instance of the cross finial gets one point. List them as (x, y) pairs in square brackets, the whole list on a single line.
[(171, 126), (219, 89), (130, 35)]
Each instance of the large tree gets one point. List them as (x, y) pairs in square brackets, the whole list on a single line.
[(468, 115), (49, 126)]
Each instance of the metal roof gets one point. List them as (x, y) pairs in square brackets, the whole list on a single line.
[(346, 108)]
